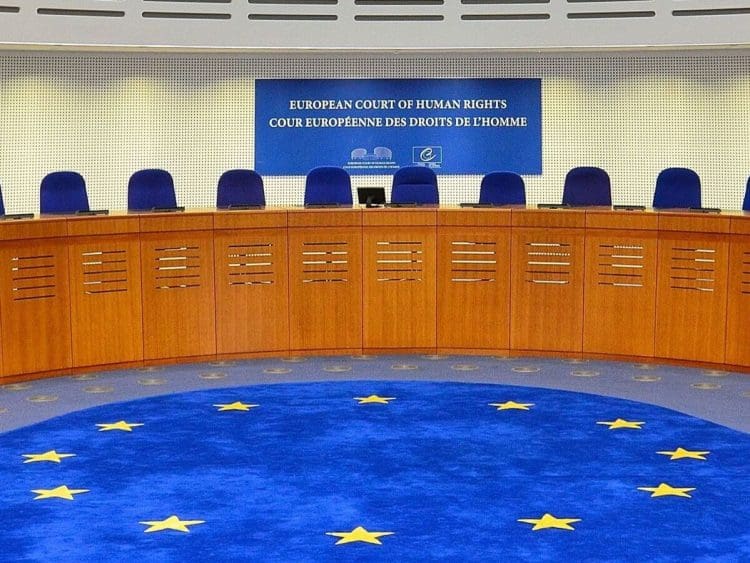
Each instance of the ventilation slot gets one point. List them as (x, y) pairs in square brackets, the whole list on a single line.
[(548, 263), (745, 279), (399, 18), (250, 264), (473, 262), (610, 15), (9, 9), (81, 13), (620, 265), (692, 269), (187, 15), (33, 277), (296, 2), (177, 267), (325, 262), (503, 15), (192, 1), (712, 12), (104, 271), (399, 261), (293, 17)]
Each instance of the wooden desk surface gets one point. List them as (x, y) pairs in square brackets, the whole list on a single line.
[(499, 299)]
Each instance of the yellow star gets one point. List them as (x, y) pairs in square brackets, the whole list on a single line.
[(171, 523), (682, 453), (549, 521), (664, 490), (374, 399), (508, 405), (51, 455), (58, 492), (359, 534), (122, 425), (236, 406), (620, 423)]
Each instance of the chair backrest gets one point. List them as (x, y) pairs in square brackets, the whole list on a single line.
[(151, 188), (677, 188), (2, 205), (63, 192), (587, 185), (745, 204), (328, 185), (501, 188), (240, 187), (415, 184)]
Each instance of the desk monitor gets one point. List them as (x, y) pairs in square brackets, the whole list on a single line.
[(371, 196), (13, 216)]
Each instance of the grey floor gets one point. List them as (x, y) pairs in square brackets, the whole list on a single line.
[(720, 397)]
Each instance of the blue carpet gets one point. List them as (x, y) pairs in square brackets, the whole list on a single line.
[(449, 475)]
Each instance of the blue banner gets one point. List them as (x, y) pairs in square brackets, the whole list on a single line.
[(461, 126)]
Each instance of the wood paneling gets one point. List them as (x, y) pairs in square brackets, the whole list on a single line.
[(547, 287), (86, 291), (620, 292), (325, 284), (473, 287), (691, 296), (738, 302), (178, 293), (399, 286), (34, 305), (106, 300), (252, 313)]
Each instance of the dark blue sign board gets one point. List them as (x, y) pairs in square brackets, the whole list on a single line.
[(455, 126)]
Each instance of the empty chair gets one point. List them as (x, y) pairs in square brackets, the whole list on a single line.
[(151, 188), (63, 192), (677, 188), (587, 185), (502, 188), (239, 188), (415, 184), (745, 204), (328, 185)]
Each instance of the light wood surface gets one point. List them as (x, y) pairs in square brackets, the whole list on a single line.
[(252, 312), (177, 271), (473, 286), (82, 292), (325, 283), (106, 300), (547, 287), (399, 284), (692, 296), (620, 292), (738, 305), (35, 304)]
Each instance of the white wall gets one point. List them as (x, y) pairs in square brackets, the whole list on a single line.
[(109, 115)]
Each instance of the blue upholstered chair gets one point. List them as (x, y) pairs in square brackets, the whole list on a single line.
[(2, 204), (677, 188), (502, 188), (151, 188), (240, 187), (63, 192), (745, 204), (415, 184), (587, 185), (328, 185)]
